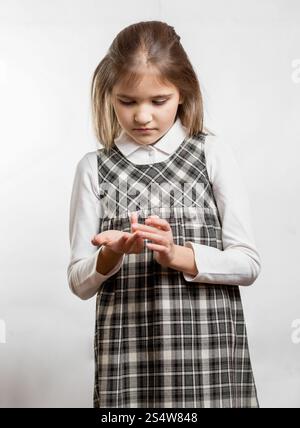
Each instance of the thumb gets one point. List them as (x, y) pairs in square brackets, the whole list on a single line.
[(98, 241)]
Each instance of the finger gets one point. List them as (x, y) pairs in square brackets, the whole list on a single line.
[(158, 222), (153, 216), (149, 227), (155, 247), (146, 226), (140, 244), (159, 239), (134, 217), (130, 241), (137, 246), (133, 220)]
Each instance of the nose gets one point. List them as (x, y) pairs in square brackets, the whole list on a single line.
[(142, 117)]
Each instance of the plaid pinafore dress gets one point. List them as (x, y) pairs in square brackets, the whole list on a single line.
[(161, 341)]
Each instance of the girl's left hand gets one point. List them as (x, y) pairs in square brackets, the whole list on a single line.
[(160, 233)]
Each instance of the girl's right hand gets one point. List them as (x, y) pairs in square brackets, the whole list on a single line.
[(121, 242)]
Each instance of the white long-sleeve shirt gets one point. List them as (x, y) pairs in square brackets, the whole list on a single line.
[(237, 264)]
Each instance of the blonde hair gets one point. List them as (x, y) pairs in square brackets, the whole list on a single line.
[(157, 45)]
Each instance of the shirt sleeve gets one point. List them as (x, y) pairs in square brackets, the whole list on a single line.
[(239, 262), (84, 280)]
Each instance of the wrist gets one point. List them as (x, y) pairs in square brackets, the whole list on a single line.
[(183, 260), (108, 252), (107, 260)]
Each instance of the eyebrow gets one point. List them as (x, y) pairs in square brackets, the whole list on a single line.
[(155, 96)]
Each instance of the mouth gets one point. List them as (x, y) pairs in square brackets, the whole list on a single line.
[(143, 129)]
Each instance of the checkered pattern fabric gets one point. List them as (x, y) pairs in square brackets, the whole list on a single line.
[(161, 341)]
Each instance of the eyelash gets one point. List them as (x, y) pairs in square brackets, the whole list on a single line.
[(131, 102)]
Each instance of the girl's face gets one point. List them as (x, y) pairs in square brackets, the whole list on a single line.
[(150, 105)]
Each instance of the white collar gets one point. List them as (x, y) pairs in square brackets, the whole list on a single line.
[(168, 143)]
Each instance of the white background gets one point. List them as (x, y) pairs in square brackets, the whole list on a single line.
[(247, 57)]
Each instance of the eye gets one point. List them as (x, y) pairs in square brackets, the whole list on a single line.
[(131, 102), (125, 102), (159, 102)]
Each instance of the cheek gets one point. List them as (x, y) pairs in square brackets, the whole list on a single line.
[(122, 114), (169, 111), (175, 105)]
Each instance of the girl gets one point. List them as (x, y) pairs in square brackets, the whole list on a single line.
[(166, 265)]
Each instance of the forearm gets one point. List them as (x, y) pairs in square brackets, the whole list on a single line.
[(184, 260), (107, 260)]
